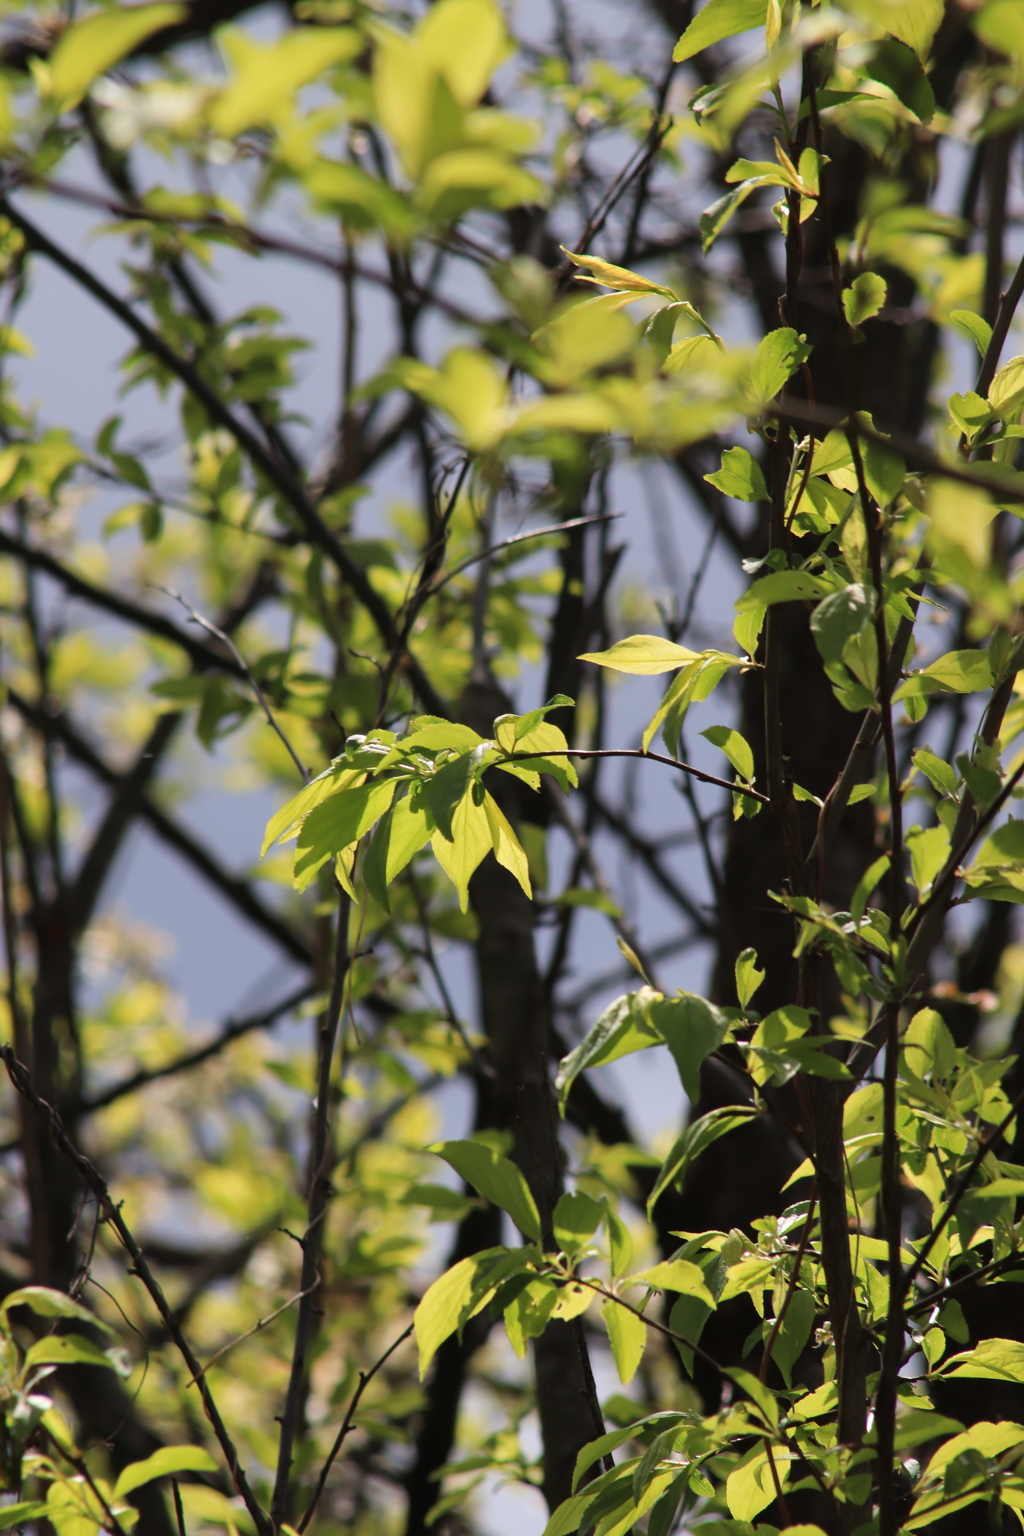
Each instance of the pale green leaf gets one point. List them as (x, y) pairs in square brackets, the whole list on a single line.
[(991, 1360), (575, 1220), (929, 850), (740, 476), (91, 47), (443, 1303), (956, 672), (748, 977), (716, 21), (266, 76), (621, 1029), (864, 298), (496, 1178), (693, 1029), (618, 278), (627, 1335), (778, 356), (972, 325), (642, 656), (751, 1487), (677, 1275), (736, 748), (73, 1349), (695, 1139), (45, 1302), (167, 1460), (470, 843)]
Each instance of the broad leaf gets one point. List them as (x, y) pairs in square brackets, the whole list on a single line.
[(740, 476), (697, 1137), (677, 1275), (778, 356), (622, 1028), (627, 1335), (716, 21), (73, 1349), (91, 47), (864, 298), (162, 1463), (642, 655), (991, 1360), (693, 1029), (496, 1178)]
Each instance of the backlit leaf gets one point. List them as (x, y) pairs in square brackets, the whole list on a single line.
[(496, 1178)]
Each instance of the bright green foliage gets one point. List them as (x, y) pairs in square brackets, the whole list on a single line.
[(392, 134)]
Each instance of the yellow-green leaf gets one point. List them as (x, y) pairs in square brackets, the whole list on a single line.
[(716, 21), (496, 1178), (170, 1458), (642, 656), (627, 1335), (91, 47), (677, 1275)]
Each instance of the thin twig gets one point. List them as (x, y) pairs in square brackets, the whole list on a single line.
[(652, 757), (521, 538), (257, 1327), (365, 1377), (211, 628)]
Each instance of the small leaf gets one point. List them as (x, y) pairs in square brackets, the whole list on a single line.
[(748, 977), (695, 1139), (73, 1349), (575, 1220), (642, 655), (864, 298), (618, 278), (956, 672), (627, 1335), (45, 1302), (620, 1030), (794, 1333), (929, 850), (939, 774), (693, 1029), (895, 65), (620, 1241), (91, 47), (972, 325), (677, 1275), (736, 748), (496, 1178), (170, 1458), (716, 21), (778, 356), (740, 476), (631, 956)]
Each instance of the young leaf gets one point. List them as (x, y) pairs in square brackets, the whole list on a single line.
[(972, 325), (939, 774), (91, 47), (73, 1349), (740, 476), (575, 1220), (627, 1335), (991, 1360), (794, 1333), (470, 842), (693, 1029), (496, 1178), (677, 1275), (620, 1241), (642, 656), (45, 1302), (864, 298), (508, 850), (736, 748), (170, 1458), (748, 977), (929, 850), (618, 278), (697, 1137), (440, 1310), (778, 356), (716, 21), (620, 1030), (337, 823)]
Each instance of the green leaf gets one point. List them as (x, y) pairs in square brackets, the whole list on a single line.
[(895, 65), (91, 47), (740, 476), (695, 1139), (642, 656), (618, 278), (736, 748), (575, 1220), (620, 1242), (289, 818), (338, 822), (972, 325), (842, 617), (751, 1487), (864, 298), (677, 1275), (778, 356), (991, 1360), (714, 219), (169, 1459), (73, 1349), (267, 75), (45, 1302), (20, 1514), (440, 1310), (470, 842), (794, 1333), (693, 1029), (496, 1178), (716, 21), (620, 1030), (866, 884), (939, 774), (956, 672), (929, 850), (627, 1335), (783, 587), (748, 977), (1006, 392)]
